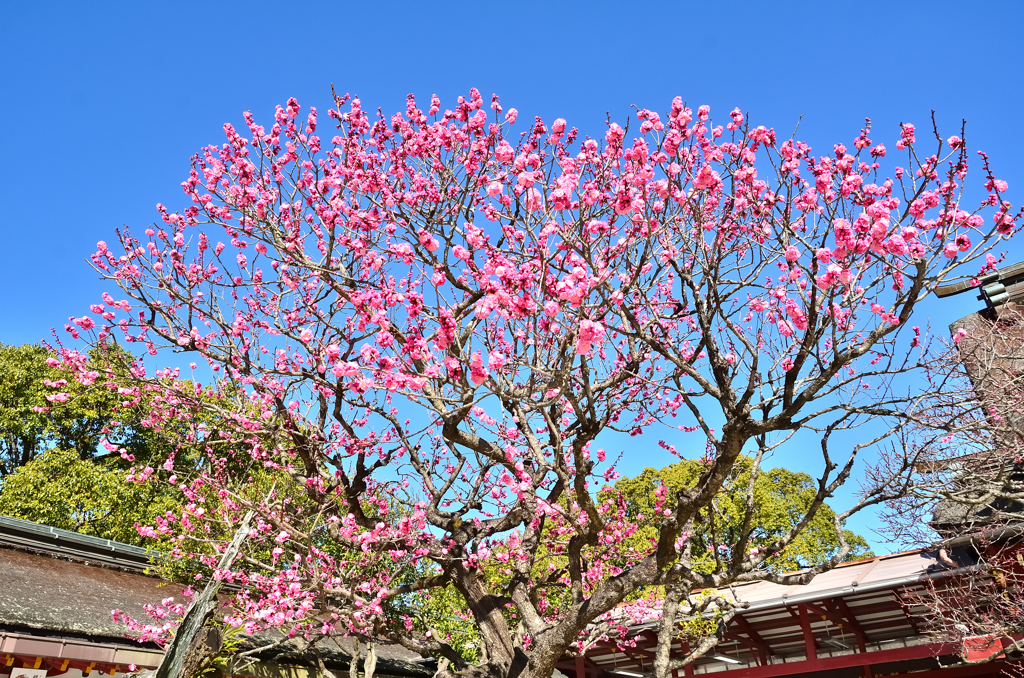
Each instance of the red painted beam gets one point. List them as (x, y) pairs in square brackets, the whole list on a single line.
[(858, 631), (969, 671), (759, 624), (844, 662), (791, 630)]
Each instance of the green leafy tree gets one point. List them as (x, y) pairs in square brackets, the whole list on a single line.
[(779, 500), (53, 468), (60, 489), (30, 424), (106, 494)]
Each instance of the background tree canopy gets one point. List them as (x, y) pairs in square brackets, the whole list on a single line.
[(53, 469), (60, 489), (781, 500), (30, 424)]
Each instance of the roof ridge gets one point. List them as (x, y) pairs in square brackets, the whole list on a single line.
[(21, 533)]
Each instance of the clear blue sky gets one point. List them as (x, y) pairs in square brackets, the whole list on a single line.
[(106, 101)]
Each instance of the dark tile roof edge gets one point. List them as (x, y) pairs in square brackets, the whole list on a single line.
[(24, 534)]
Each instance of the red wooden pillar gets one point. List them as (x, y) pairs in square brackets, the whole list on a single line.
[(858, 634), (684, 645), (756, 641), (805, 623), (866, 671), (581, 670)]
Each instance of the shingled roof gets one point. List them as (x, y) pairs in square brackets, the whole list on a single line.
[(46, 592)]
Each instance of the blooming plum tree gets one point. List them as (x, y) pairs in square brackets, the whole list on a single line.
[(424, 326)]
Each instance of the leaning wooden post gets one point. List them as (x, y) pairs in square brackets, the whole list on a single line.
[(193, 646)]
